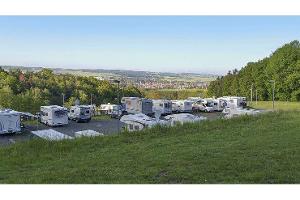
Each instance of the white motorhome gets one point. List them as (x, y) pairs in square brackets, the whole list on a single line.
[(202, 106), (238, 111), (183, 118), (219, 104), (163, 106), (80, 113), (140, 121), (113, 110), (194, 99), (135, 105), (182, 106), (9, 121), (233, 101), (54, 115)]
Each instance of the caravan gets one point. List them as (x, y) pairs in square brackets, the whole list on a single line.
[(80, 113), (54, 115), (9, 121), (163, 106), (135, 105)]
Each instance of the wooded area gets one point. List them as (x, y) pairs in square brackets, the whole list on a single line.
[(283, 66), (29, 90)]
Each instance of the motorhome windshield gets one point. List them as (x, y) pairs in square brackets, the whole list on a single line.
[(84, 111), (60, 113), (210, 104), (168, 105)]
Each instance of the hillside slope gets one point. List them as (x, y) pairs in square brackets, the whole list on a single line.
[(262, 149), (283, 66)]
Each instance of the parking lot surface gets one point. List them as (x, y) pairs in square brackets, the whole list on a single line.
[(105, 126), (109, 126)]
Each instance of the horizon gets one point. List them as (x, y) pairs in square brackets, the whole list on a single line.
[(176, 44)]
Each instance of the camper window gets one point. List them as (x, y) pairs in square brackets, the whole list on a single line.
[(161, 105), (130, 127), (72, 111), (44, 113), (136, 127), (87, 111)]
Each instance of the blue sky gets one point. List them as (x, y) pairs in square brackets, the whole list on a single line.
[(203, 44)]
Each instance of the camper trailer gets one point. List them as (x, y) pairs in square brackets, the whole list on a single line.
[(163, 106), (53, 115), (9, 121), (135, 105), (80, 113), (182, 105)]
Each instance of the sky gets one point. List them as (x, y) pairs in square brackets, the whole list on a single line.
[(199, 44)]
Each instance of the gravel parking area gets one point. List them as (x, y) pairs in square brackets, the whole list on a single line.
[(106, 127)]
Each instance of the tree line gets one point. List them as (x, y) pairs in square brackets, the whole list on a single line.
[(282, 66), (27, 91)]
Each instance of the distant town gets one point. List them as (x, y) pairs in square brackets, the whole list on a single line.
[(139, 79)]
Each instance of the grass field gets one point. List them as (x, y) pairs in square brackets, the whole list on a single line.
[(278, 105), (261, 149)]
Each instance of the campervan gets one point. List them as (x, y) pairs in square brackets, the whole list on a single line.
[(182, 105), (135, 105), (80, 113), (54, 115), (9, 121), (140, 121), (163, 106)]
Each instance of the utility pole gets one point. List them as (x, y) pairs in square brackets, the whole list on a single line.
[(118, 82), (251, 93), (91, 99), (256, 96), (273, 96), (63, 99)]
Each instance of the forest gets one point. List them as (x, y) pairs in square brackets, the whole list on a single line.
[(27, 91), (282, 66)]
